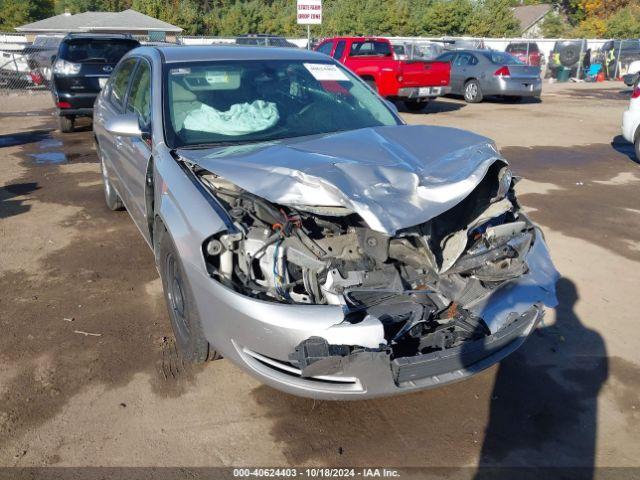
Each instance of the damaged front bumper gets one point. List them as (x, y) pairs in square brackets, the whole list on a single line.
[(315, 351)]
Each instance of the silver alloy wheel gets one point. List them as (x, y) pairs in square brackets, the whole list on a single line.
[(471, 91)]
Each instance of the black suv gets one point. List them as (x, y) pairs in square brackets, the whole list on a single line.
[(81, 68)]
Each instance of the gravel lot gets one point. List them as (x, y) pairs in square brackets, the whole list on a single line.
[(569, 397)]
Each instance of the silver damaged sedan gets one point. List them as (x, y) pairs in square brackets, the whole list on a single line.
[(303, 231)]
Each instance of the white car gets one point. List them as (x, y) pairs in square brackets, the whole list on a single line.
[(631, 120)]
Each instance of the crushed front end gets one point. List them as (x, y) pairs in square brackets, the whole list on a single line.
[(330, 308)]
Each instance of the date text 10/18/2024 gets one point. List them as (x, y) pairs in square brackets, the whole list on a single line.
[(316, 472)]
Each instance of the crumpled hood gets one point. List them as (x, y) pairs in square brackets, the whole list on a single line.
[(393, 177)]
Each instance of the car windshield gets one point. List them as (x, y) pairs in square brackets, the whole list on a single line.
[(234, 102), (628, 45), (91, 50), (522, 48), (428, 51), (502, 58)]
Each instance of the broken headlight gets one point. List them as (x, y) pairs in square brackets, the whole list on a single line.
[(505, 177)]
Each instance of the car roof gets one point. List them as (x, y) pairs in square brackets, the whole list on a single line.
[(258, 35), (477, 51), (356, 38), (199, 53), (101, 36)]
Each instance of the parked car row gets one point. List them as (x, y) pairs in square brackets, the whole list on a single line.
[(83, 63), (389, 73), (396, 72)]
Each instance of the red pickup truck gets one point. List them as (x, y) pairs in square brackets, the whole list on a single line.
[(373, 59)]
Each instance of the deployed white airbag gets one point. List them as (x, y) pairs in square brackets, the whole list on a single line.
[(240, 119)]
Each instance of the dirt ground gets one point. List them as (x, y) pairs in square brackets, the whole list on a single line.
[(89, 377)]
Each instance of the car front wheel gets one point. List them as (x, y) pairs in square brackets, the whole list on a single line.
[(183, 314), (472, 91), (636, 145), (111, 197)]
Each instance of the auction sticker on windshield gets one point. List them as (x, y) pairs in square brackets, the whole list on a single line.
[(325, 71)]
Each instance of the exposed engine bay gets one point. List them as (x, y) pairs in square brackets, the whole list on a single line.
[(419, 283)]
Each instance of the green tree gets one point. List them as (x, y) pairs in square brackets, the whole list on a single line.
[(447, 17), (14, 13), (400, 17), (625, 23), (493, 18), (553, 26)]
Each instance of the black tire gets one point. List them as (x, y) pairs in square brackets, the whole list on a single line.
[(473, 91), (636, 146), (181, 306), (415, 105), (66, 124), (111, 197), (569, 54)]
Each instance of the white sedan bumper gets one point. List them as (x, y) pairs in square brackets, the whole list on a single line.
[(630, 121)]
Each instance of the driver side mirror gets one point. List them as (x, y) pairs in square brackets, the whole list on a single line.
[(125, 125)]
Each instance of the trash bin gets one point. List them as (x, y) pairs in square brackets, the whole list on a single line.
[(563, 74)]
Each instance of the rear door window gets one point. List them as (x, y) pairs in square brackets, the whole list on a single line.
[(139, 98), (326, 48), (91, 50), (370, 48), (120, 81), (463, 60), (337, 54)]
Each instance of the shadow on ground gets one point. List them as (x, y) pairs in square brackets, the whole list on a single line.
[(10, 203), (538, 408), (439, 105), (545, 398), (620, 145), (598, 94), (86, 316)]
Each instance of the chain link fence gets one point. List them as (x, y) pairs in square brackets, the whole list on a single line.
[(26, 66)]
